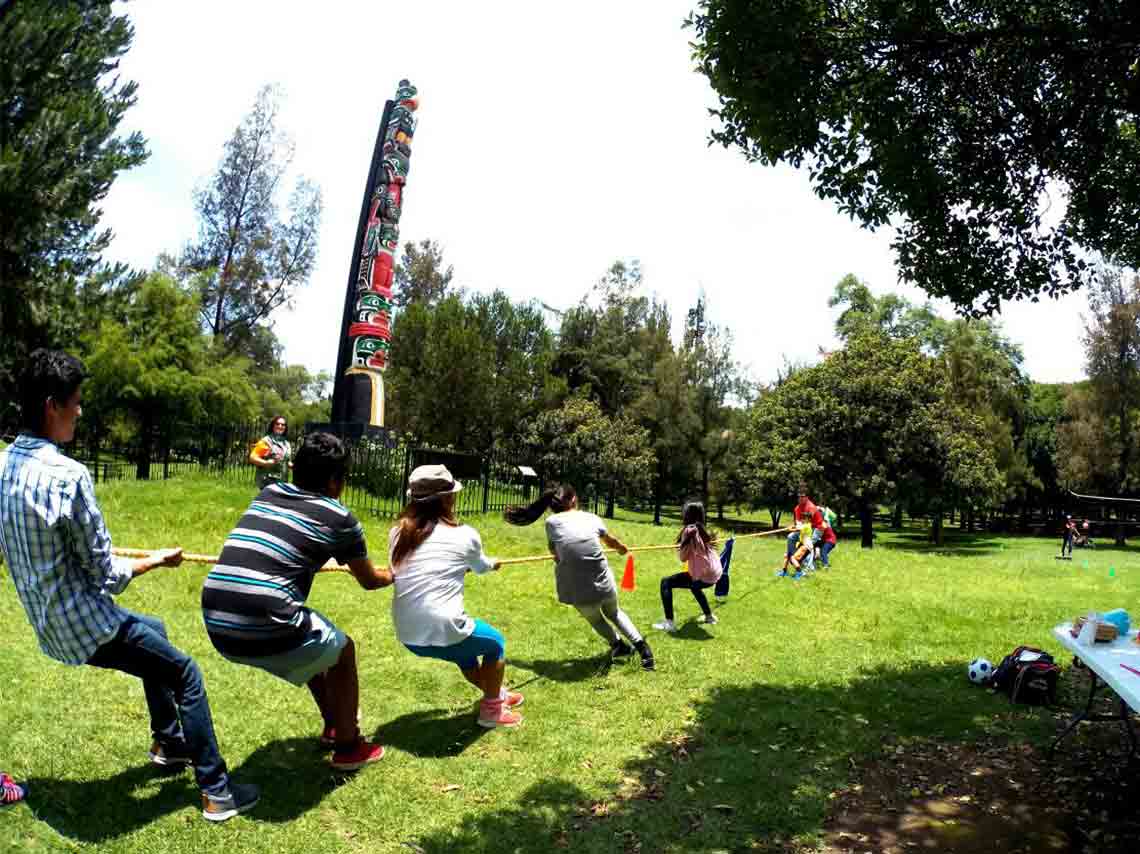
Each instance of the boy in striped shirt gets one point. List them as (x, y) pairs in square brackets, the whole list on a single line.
[(253, 601)]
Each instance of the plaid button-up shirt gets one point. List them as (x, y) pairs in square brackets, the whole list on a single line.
[(58, 550)]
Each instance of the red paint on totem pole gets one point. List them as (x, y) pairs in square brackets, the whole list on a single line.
[(382, 274), (370, 330)]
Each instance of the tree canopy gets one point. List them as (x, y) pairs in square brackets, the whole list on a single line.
[(247, 261), (155, 365), (998, 137), (420, 275), (871, 423), (61, 103), (1097, 443)]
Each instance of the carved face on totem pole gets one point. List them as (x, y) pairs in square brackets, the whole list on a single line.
[(370, 353)]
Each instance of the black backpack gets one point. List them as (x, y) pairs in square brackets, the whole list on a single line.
[(1028, 675)]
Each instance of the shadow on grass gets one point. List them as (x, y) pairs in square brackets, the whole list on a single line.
[(965, 544), (753, 770), (98, 810), (293, 776), (434, 734), (566, 670), (692, 630), (291, 773)]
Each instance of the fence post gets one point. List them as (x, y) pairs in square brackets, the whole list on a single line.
[(487, 463), (657, 500), (407, 471)]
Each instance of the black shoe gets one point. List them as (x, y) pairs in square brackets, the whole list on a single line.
[(620, 649), (646, 655), (170, 756)]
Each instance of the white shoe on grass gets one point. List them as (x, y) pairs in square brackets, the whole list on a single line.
[(666, 626)]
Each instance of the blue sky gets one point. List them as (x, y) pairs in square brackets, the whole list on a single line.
[(551, 142)]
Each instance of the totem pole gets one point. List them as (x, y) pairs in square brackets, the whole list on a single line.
[(366, 335)]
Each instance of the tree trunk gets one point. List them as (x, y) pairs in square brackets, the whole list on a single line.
[(775, 513), (865, 521), (936, 528), (705, 482), (657, 500), (146, 437), (951, 515), (896, 517)]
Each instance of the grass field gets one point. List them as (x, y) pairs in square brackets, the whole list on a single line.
[(740, 737)]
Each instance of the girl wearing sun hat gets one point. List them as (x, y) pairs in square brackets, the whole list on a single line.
[(430, 554)]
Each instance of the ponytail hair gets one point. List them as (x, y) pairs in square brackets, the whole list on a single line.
[(693, 526), (417, 522), (559, 499)]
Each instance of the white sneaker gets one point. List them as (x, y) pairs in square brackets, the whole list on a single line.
[(710, 620), (666, 626)]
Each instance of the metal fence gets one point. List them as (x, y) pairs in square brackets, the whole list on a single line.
[(381, 462)]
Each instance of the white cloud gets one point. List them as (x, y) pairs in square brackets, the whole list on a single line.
[(551, 142)]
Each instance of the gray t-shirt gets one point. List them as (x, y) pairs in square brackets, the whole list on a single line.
[(581, 572)]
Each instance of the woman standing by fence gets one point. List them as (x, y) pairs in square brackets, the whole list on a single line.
[(273, 454)]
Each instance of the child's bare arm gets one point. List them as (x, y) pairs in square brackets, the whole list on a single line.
[(614, 543)]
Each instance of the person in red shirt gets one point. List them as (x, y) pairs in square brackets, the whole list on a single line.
[(805, 510)]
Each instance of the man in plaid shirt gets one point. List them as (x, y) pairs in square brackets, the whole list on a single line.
[(58, 552)]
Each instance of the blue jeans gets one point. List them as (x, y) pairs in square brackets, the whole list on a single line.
[(824, 551), (179, 711)]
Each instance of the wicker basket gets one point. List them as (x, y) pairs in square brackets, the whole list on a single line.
[(1105, 632)]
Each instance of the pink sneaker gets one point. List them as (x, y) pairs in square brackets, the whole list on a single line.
[(493, 713), (11, 792), (357, 756), (511, 699)]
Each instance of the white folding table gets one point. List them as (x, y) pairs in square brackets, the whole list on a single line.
[(1107, 664)]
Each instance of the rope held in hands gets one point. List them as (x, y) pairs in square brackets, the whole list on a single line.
[(332, 566)]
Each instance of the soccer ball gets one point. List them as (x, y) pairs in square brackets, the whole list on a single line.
[(980, 671)]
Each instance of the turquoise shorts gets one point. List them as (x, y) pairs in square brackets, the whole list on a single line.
[(317, 653), (485, 641)]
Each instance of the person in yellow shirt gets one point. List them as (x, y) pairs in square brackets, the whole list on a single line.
[(801, 555)]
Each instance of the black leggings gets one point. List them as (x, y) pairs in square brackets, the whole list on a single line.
[(682, 580)]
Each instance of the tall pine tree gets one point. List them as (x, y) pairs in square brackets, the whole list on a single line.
[(61, 103)]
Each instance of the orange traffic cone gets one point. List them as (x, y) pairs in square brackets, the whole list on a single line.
[(627, 577)]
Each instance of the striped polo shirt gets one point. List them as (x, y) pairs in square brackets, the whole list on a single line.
[(253, 600)]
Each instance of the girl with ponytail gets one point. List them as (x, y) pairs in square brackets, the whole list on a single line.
[(695, 549), (582, 575)]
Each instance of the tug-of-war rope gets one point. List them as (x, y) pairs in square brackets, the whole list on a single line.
[(332, 566)]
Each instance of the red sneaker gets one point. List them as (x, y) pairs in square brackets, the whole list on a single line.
[(511, 699), (357, 756), (494, 713)]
